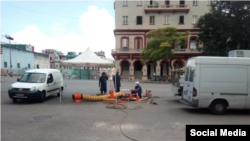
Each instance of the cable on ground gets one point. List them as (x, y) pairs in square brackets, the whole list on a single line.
[(121, 107)]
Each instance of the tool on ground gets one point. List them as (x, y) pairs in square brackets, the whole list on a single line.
[(77, 97)]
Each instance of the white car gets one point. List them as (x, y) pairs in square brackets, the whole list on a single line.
[(37, 84)]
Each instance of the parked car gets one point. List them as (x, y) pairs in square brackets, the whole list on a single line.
[(217, 83), (37, 84), (177, 77)]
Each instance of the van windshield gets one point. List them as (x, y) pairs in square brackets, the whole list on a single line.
[(33, 78)]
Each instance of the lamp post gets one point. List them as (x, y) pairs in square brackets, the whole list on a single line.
[(10, 38)]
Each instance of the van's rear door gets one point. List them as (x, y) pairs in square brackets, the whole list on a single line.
[(189, 80)]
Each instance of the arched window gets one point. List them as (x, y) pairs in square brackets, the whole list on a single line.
[(193, 41), (138, 43), (125, 43)]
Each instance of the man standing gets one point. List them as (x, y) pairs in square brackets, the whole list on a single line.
[(117, 81), (137, 90), (103, 83)]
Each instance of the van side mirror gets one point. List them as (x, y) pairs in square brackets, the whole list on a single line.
[(17, 79)]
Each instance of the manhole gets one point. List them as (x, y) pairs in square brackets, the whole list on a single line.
[(42, 117)]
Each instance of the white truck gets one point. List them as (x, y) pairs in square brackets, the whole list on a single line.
[(217, 83), (177, 78)]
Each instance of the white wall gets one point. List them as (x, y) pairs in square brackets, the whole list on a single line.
[(42, 60)]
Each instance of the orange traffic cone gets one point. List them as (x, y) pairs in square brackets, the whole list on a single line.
[(131, 96), (112, 94), (137, 98)]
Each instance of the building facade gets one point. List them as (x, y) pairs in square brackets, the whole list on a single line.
[(71, 55), (41, 61), (16, 60), (53, 57), (133, 19)]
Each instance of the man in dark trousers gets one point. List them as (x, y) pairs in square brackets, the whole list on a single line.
[(137, 90), (103, 83), (117, 80)]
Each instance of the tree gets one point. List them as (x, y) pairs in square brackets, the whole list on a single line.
[(225, 27), (162, 44)]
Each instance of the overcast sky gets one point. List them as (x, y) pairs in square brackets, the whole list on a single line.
[(61, 25)]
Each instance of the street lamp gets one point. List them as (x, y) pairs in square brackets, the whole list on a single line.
[(10, 38)]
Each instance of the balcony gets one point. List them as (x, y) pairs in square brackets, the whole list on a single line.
[(176, 51), (166, 8)]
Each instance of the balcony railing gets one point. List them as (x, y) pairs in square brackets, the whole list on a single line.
[(166, 8), (177, 51), (126, 51)]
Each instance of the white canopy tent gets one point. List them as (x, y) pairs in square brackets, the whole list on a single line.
[(87, 59)]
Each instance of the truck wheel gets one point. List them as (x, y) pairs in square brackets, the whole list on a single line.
[(14, 100), (42, 97), (218, 107)]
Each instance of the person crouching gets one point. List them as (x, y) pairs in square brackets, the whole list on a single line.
[(137, 90)]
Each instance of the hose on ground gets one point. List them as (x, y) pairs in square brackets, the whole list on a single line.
[(122, 108), (99, 97)]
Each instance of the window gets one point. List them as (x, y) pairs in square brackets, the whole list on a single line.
[(50, 58), (125, 2), (50, 78), (182, 2), (138, 43), (125, 19), (195, 18), (29, 66), (139, 20), (186, 74), (191, 77), (152, 19), (37, 66), (5, 64), (193, 43), (166, 19), (209, 2), (152, 2), (149, 38), (18, 65), (166, 2), (181, 20), (195, 2), (125, 43), (139, 2)]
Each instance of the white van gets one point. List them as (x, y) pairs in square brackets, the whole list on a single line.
[(217, 83), (37, 84)]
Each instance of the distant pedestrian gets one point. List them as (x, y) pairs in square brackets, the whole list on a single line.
[(117, 81), (8, 73), (103, 83)]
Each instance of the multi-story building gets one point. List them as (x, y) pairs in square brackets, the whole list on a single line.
[(54, 57), (133, 19)]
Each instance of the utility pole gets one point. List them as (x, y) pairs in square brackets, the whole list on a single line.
[(10, 38)]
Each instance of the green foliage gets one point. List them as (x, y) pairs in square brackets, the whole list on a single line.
[(225, 27), (163, 42)]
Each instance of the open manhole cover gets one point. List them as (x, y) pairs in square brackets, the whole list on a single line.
[(42, 117)]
